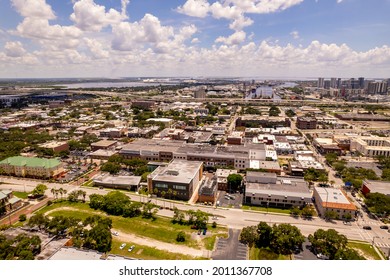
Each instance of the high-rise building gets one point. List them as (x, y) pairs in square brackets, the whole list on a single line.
[(377, 87), (339, 83), (200, 93), (320, 83), (361, 82), (333, 82), (327, 84)]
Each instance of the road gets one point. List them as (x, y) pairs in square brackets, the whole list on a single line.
[(237, 218)]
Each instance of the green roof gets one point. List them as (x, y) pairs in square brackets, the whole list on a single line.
[(31, 162)]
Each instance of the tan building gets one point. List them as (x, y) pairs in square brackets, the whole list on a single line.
[(32, 167), (55, 146), (103, 145), (371, 146), (330, 199), (222, 175)]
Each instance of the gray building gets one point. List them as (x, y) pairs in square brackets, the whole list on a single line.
[(268, 189)]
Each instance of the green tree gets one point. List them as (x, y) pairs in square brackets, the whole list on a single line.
[(249, 235), (285, 238), (264, 232), (348, 254), (328, 242), (331, 215), (22, 217), (111, 167), (307, 212), (181, 236), (38, 220), (178, 216), (96, 201), (378, 203), (331, 158), (295, 211), (39, 190), (115, 202), (234, 181)]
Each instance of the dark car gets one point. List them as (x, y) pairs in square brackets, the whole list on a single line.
[(367, 227), (384, 227)]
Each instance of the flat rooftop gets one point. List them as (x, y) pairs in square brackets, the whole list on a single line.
[(118, 180), (104, 143), (52, 144), (378, 186), (334, 198), (283, 187), (177, 171), (69, 253)]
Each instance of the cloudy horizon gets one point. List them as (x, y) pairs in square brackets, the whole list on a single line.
[(235, 38)]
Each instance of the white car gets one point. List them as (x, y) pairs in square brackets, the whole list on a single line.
[(131, 248), (122, 246), (115, 233)]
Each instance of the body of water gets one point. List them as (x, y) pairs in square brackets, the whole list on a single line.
[(113, 84)]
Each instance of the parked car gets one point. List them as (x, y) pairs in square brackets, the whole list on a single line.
[(367, 227), (384, 227), (322, 257), (131, 248), (122, 246)]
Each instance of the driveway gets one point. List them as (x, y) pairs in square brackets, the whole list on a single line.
[(305, 254), (231, 248)]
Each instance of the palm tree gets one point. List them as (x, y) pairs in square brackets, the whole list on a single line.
[(155, 191), (163, 193), (83, 194)]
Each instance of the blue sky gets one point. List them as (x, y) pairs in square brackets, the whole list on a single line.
[(116, 38)]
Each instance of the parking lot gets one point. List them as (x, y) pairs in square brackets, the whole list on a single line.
[(306, 253), (233, 200), (231, 248)]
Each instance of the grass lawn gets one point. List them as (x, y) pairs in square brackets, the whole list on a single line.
[(159, 229), (365, 249), (22, 195), (265, 254), (146, 253), (264, 209)]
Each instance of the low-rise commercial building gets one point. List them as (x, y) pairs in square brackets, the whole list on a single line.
[(179, 179), (222, 175), (130, 183), (9, 201), (326, 146), (237, 156), (55, 146), (103, 145), (306, 123), (208, 190), (235, 138), (371, 146), (370, 186), (270, 190), (331, 199), (113, 132), (102, 154)]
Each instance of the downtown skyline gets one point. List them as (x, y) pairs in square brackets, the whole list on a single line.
[(246, 38)]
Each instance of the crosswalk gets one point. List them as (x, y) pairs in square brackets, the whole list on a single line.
[(382, 245)]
